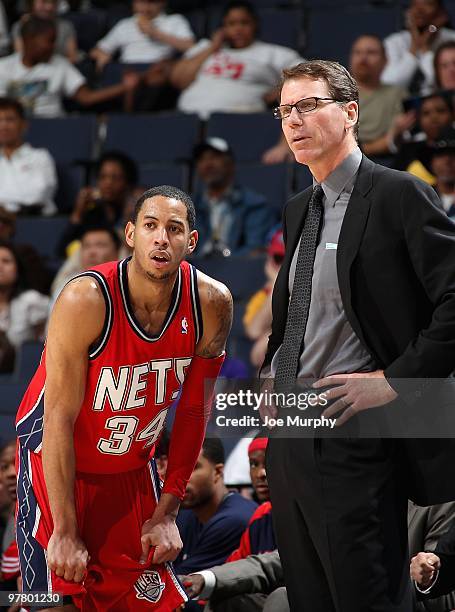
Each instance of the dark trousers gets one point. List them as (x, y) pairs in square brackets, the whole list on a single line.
[(340, 518)]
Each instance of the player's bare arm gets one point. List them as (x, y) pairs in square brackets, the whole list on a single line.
[(191, 419), (217, 309), (76, 322)]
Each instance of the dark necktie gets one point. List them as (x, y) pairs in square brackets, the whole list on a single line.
[(288, 358)]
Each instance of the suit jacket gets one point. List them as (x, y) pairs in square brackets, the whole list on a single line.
[(254, 574), (425, 528), (396, 273)]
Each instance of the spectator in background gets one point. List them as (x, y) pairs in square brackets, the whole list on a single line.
[(98, 244), (23, 311), (414, 155), (444, 66), (152, 37), (230, 218), (257, 320), (38, 276), (232, 72), (212, 519), (410, 52), (380, 117), (40, 79), (66, 41), (257, 538), (108, 202), (443, 169), (28, 175), (9, 557)]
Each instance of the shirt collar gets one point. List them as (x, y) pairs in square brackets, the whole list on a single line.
[(341, 178), (19, 151)]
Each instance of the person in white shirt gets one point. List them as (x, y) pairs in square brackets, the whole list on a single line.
[(40, 79), (232, 72), (149, 36), (410, 52), (66, 43), (28, 179)]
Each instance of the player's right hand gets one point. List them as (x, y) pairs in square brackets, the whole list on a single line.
[(193, 583), (67, 556)]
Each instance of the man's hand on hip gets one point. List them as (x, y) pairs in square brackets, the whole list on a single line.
[(164, 535), (67, 556), (354, 393)]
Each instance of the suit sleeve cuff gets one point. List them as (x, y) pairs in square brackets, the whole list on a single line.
[(428, 589), (209, 586)]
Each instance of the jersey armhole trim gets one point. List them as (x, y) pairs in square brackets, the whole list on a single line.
[(196, 305), (98, 346)]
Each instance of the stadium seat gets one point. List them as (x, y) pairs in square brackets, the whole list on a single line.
[(159, 138), (160, 174), (248, 134), (43, 233), (11, 394), (90, 27), (303, 178), (67, 138), (272, 181), (113, 72), (7, 429), (70, 181), (277, 26), (330, 32), (27, 359), (242, 275)]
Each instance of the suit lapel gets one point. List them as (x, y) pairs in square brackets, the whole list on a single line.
[(350, 238)]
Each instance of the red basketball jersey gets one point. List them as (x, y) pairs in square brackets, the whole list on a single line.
[(133, 378)]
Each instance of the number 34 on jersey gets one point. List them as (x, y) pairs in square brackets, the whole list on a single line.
[(128, 391)]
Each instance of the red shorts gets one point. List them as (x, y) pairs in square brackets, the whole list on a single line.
[(111, 510)]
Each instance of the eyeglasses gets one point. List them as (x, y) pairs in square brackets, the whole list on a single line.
[(305, 105)]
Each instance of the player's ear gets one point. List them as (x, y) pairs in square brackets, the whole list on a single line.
[(192, 242), (219, 471), (129, 233)]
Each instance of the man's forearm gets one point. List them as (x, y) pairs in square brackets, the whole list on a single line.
[(59, 473)]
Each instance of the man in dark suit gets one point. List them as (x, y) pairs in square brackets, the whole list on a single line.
[(381, 309)]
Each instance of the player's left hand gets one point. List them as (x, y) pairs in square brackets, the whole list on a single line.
[(165, 536), (356, 392)]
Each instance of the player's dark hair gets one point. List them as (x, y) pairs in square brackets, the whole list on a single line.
[(103, 227), (12, 104), (241, 4), (162, 446), (35, 26), (213, 450), (128, 165), (21, 281), (167, 191)]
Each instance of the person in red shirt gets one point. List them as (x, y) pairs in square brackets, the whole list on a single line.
[(124, 338)]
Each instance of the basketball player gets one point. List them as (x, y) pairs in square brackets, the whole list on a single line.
[(123, 338)]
